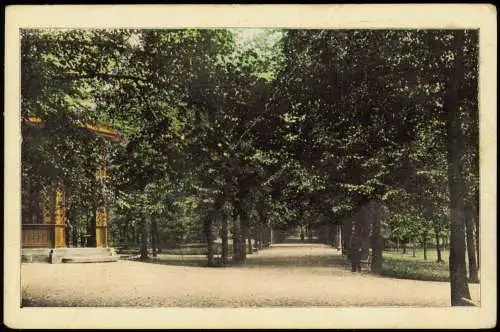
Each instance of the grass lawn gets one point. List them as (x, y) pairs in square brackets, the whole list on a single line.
[(419, 255), (406, 266)]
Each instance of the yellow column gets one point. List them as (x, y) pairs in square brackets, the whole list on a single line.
[(101, 222), (60, 217), (53, 204), (102, 227), (46, 198)]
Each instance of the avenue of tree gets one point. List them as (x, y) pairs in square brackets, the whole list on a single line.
[(224, 138)]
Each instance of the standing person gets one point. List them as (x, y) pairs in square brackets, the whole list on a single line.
[(355, 253), (356, 260)]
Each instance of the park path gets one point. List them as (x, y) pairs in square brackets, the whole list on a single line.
[(285, 275)]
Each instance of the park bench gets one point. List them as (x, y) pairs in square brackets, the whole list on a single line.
[(367, 261)]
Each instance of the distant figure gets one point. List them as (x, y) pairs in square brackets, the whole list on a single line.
[(302, 236), (356, 259)]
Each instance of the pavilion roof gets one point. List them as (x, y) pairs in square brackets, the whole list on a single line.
[(95, 128)]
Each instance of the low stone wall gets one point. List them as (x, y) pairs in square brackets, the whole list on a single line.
[(35, 255), (82, 255), (60, 255)]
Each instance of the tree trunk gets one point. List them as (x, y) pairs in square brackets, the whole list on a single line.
[(404, 247), (309, 233), (476, 221), (339, 245), (471, 247), (73, 229), (75, 235), (268, 233), (355, 250), (261, 236), (130, 235), (377, 239), (264, 236), (458, 273), (91, 242), (438, 248), (224, 238), (144, 239), (138, 227), (424, 243), (250, 249), (243, 246), (257, 237), (261, 226), (477, 243), (122, 231), (236, 252), (154, 236), (209, 238), (346, 235), (243, 237), (414, 247), (237, 259)]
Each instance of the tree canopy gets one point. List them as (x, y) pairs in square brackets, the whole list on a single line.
[(243, 131)]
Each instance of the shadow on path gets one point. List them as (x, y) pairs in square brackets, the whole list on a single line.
[(286, 255), (175, 260)]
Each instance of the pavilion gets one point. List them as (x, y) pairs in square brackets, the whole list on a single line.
[(43, 231)]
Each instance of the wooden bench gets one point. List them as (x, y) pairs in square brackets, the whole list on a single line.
[(365, 263)]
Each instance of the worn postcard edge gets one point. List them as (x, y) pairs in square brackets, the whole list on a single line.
[(418, 16)]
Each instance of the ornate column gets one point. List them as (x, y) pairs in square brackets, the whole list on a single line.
[(59, 216), (54, 220), (101, 215)]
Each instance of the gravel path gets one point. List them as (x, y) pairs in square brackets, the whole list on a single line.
[(284, 275)]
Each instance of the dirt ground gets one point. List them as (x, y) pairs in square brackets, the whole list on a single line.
[(296, 275)]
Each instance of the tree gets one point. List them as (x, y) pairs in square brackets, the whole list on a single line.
[(288, 129), (391, 92), (458, 273)]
